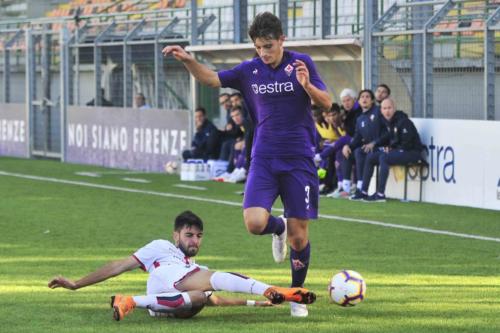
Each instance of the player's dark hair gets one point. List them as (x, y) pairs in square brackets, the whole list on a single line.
[(265, 25), (318, 114), (386, 87), (187, 219), (201, 109), (372, 95)]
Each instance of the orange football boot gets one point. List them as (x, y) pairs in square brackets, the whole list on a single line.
[(278, 295), (122, 306)]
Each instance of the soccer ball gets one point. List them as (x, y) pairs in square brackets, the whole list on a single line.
[(347, 288), (171, 167)]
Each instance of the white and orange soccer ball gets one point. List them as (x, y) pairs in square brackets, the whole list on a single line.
[(347, 288), (171, 167)]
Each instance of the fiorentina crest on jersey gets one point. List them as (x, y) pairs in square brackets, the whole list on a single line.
[(288, 69), (297, 264)]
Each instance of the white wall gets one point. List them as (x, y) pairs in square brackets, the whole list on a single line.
[(464, 158)]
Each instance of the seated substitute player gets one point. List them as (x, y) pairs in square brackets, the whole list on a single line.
[(278, 87), (176, 285), (368, 136), (404, 147)]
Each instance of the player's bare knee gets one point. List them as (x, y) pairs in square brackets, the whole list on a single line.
[(298, 242), (254, 224), (198, 301), (198, 298)]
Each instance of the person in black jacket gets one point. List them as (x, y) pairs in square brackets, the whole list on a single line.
[(350, 110), (404, 147), (206, 141), (367, 137)]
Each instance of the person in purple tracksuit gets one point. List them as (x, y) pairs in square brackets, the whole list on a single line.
[(278, 87)]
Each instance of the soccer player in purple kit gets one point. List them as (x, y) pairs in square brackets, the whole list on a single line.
[(278, 87)]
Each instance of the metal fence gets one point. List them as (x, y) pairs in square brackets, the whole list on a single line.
[(441, 58)]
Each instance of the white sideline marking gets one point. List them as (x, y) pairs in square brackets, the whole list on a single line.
[(136, 180), (238, 204), (88, 174), (191, 187)]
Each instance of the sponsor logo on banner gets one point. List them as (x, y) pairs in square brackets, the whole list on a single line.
[(498, 189), (126, 138), (441, 159), (12, 130), (138, 139)]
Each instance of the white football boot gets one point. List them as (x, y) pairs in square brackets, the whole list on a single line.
[(279, 244), (298, 310)]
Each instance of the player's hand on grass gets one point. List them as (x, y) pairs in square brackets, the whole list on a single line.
[(263, 303), (302, 73), (61, 281), (178, 52)]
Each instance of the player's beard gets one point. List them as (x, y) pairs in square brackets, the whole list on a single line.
[(188, 251)]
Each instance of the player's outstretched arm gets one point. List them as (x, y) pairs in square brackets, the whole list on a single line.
[(214, 300), (201, 72), (318, 96), (107, 271)]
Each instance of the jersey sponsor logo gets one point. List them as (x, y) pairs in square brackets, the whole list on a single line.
[(288, 69), (272, 88)]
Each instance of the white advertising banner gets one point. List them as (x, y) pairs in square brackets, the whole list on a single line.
[(464, 164), (13, 130), (126, 138)]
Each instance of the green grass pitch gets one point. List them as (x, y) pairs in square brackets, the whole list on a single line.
[(416, 281)]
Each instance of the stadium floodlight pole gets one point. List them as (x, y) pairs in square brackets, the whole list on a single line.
[(158, 61), (489, 65), (283, 15), (127, 59), (6, 65), (30, 89), (194, 22), (428, 54), (65, 86), (240, 19), (369, 46), (97, 62), (326, 18), (419, 15)]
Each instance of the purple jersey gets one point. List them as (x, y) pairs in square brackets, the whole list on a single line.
[(278, 104)]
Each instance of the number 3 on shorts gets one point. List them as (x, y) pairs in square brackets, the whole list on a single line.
[(307, 190)]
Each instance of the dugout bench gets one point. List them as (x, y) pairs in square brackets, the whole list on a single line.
[(420, 165)]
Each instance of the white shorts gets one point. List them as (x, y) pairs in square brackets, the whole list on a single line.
[(165, 278)]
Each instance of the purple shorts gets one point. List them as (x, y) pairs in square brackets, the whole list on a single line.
[(293, 179)]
